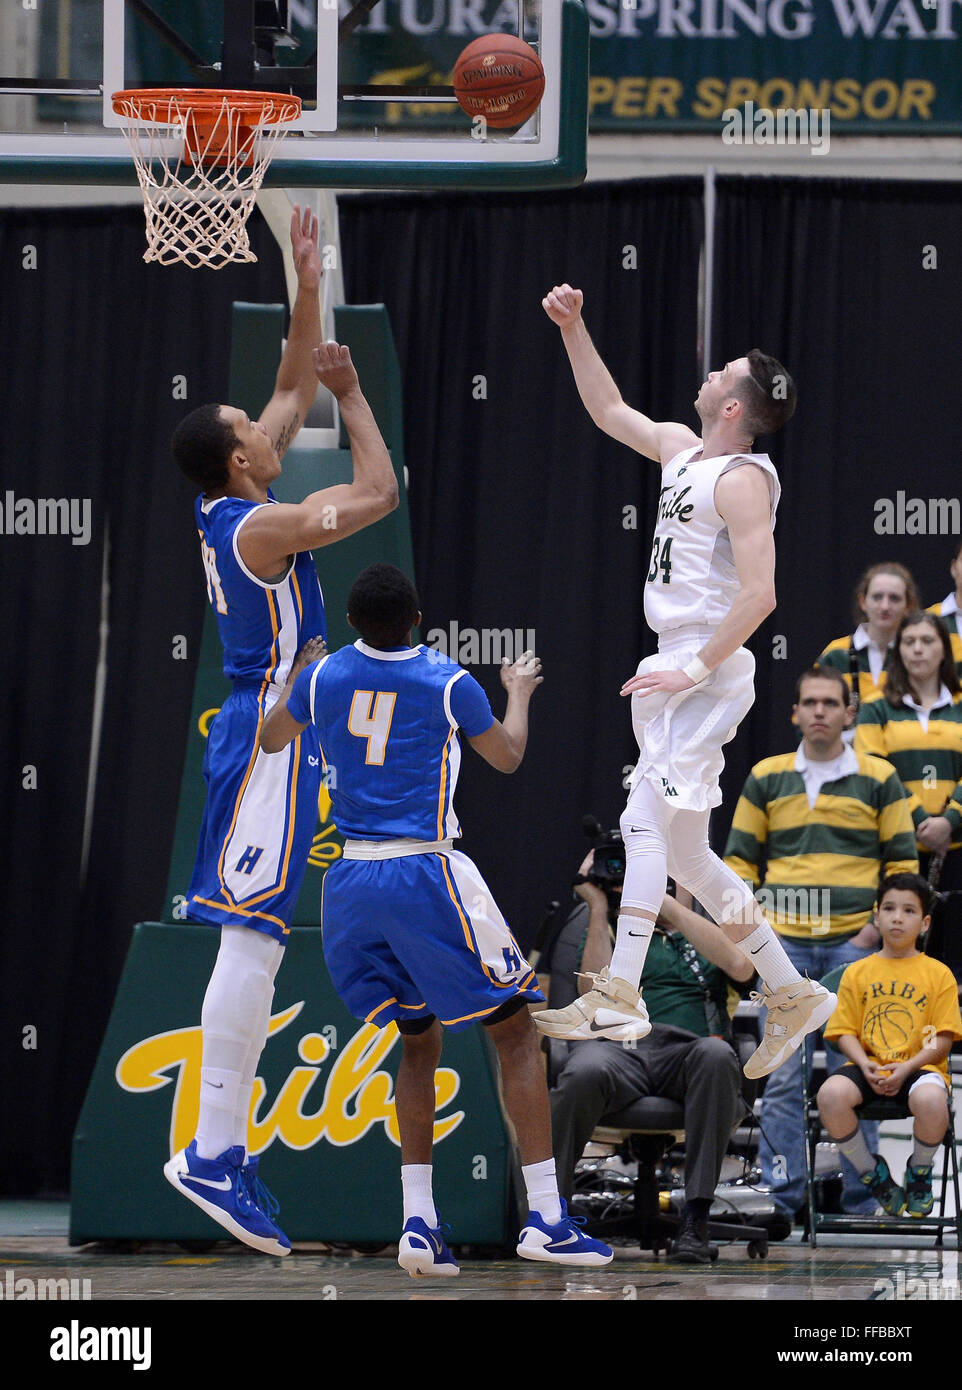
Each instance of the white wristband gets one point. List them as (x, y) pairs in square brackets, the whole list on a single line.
[(696, 670)]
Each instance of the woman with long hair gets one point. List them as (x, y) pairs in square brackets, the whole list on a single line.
[(883, 595), (917, 726)]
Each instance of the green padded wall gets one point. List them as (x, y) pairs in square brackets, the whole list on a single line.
[(322, 1113)]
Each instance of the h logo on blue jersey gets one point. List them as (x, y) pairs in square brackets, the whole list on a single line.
[(245, 864), (512, 961)]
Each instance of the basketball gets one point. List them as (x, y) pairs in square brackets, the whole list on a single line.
[(499, 77)]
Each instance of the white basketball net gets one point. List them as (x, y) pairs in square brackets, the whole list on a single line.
[(196, 206)]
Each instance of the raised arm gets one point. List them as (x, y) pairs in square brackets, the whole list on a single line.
[(296, 384), (658, 440), (274, 533), (504, 743), (279, 727)]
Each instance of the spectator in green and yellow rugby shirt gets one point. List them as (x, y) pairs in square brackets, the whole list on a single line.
[(826, 822), (883, 595), (917, 726), (950, 609)]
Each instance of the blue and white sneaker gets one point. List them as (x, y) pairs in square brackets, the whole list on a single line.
[(261, 1196), (226, 1189), (563, 1244), (423, 1252)]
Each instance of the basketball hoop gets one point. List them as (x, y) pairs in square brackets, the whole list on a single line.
[(198, 197)]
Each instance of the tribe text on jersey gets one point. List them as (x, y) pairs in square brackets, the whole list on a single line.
[(691, 576)]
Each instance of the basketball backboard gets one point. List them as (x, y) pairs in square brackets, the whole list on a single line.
[(374, 77)]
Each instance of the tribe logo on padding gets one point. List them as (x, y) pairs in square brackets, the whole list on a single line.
[(356, 1095)]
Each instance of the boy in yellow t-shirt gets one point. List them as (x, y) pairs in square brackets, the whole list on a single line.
[(897, 1017)]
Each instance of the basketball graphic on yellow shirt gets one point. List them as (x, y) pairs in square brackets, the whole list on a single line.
[(888, 1028)]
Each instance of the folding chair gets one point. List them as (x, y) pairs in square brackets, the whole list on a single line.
[(646, 1128), (874, 1110)]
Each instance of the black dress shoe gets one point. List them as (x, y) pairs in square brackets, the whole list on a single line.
[(691, 1246)]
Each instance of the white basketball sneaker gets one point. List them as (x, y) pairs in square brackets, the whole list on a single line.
[(794, 1011), (613, 1009)]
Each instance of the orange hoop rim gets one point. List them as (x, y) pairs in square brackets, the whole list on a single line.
[(267, 108)]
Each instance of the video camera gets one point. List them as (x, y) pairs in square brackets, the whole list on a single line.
[(608, 865)]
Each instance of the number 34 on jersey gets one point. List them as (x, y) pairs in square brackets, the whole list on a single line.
[(661, 560)]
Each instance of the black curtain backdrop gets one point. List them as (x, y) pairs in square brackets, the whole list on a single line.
[(92, 342), (525, 516), (829, 276), (521, 511)]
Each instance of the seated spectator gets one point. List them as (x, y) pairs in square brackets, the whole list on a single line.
[(883, 594), (950, 609), (813, 832), (917, 726), (896, 1021), (687, 1057)]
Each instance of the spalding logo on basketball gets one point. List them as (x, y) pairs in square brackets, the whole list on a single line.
[(499, 77), (888, 1028)]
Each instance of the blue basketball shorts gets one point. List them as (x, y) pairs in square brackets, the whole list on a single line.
[(259, 821), (419, 935)]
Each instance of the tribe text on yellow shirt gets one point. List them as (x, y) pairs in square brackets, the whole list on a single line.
[(894, 1007)]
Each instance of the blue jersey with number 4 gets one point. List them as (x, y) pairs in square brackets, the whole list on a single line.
[(387, 723), (262, 624)]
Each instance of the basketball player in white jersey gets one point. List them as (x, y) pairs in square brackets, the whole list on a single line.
[(709, 584)]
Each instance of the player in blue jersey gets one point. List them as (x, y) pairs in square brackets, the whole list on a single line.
[(261, 813), (411, 932)]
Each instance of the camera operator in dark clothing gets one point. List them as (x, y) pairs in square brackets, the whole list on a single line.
[(687, 1057)]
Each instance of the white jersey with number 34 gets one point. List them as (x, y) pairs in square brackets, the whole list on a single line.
[(691, 577)]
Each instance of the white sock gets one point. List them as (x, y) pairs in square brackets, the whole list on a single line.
[(245, 1091), (541, 1183), (766, 953), (417, 1193), (631, 948), (215, 1126), (232, 1024)]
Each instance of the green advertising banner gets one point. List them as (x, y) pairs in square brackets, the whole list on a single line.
[(677, 65), (322, 1113), (877, 66)]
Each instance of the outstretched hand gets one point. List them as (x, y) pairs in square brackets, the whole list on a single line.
[(563, 305), (307, 258), (669, 682), (312, 650), (522, 676), (334, 368)]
